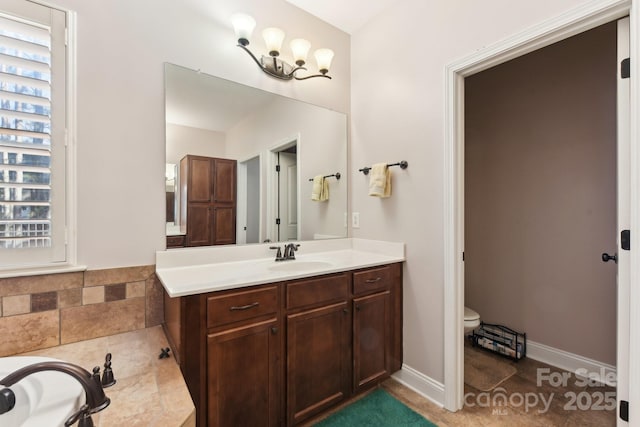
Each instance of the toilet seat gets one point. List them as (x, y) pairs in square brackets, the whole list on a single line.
[(470, 315)]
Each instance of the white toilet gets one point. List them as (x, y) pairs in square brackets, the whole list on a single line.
[(471, 320)]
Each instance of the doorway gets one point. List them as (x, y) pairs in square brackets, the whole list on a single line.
[(540, 206), (283, 192), (540, 194), (573, 22), (248, 204)]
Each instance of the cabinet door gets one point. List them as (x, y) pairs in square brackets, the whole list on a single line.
[(199, 225), (224, 224), (318, 354), (200, 180), (243, 370), (224, 189), (371, 339)]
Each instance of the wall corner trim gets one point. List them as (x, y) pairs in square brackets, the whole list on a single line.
[(421, 384)]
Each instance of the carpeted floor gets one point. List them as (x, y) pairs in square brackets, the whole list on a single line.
[(377, 409)]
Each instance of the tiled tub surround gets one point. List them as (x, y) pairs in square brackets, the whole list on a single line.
[(43, 311), (148, 391), (197, 270)]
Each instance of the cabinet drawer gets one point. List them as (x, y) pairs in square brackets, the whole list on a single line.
[(229, 308), (371, 280), (317, 291), (175, 241)]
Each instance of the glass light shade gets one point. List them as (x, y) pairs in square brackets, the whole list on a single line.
[(273, 37), (300, 49), (243, 26), (324, 57)]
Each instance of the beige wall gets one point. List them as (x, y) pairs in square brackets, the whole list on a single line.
[(540, 194), (183, 140), (398, 113)]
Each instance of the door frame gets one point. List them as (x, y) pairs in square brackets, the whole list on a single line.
[(241, 200), (575, 21), (272, 184)]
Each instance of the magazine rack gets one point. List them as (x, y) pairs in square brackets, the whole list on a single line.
[(500, 339)]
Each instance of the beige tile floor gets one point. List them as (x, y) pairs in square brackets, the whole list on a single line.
[(575, 404)]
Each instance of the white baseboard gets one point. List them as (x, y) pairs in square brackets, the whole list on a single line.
[(420, 383), (572, 362)]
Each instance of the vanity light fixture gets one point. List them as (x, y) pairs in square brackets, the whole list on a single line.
[(243, 26)]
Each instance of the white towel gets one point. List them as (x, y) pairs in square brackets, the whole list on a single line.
[(380, 181), (320, 191)]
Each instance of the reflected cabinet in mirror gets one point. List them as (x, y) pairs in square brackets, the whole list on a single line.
[(223, 136)]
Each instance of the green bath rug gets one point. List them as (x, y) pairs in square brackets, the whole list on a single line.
[(377, 409)]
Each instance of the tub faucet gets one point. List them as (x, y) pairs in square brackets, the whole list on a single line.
[(90, 382)]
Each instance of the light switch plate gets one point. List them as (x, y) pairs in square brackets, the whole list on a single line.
[(355, 220)]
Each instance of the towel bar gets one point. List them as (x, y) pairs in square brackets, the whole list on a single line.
[(337, 175), (403, 165)]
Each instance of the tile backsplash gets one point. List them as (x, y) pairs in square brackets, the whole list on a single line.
[(44, 311)]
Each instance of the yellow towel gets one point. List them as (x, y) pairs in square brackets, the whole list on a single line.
[(324, 196), (320, 191), (380, 181)]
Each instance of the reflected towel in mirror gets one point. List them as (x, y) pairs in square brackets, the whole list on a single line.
[(320, 191)]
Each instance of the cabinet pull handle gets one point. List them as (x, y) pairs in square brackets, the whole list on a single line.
[(274, 330), (345, 311), (377, 279), (244, 307)]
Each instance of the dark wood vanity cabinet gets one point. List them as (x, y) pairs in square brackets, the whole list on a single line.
[(377, 340), (229, 347), (242, 371), (208, 200), (318, 345), (177, 241), (281, 354)]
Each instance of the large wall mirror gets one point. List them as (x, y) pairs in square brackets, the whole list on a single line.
[(280, 145)]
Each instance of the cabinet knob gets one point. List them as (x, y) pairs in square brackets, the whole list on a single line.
[(345, 311), (274, 330)]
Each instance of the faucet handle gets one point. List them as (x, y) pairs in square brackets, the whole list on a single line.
[(279, 253), (293, 247), (107, 375), (82, 415), (7, 400)]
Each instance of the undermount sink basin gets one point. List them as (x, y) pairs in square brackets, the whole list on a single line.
[(294, 266), (42, 399)]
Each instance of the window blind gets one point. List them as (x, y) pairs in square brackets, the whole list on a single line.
[(32, 134), (25, 135)]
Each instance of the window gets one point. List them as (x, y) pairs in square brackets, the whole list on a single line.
[(33, 122)]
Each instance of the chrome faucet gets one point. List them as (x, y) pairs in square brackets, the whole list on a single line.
[(289, 252), (94, 394)]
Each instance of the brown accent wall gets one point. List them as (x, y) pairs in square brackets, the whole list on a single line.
[(540, 194), (44, 311)]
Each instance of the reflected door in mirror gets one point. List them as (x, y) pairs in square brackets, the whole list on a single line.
[(208, 202)]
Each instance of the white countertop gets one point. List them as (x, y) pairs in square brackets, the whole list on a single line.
[(192, 271)]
